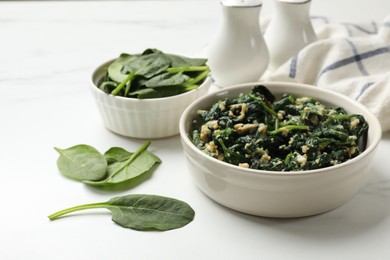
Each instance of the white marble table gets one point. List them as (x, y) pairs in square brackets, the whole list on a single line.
[(47, 53)]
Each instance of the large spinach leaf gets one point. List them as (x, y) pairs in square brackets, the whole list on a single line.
[(142, 212), (81, 162)]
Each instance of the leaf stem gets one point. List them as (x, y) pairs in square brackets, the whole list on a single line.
[(128, 86), (224, 148), (336, 118), (261, 102), (60, 213), (198, 78), (187, 68), (123, 83), (288, 128), (189, 88)]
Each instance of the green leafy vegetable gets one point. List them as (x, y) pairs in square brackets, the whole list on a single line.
[(81, 162), (181, 61), (148, 65), (254, 130), (167, 79), (116, 154), (142, 212), (153, 74), (114, 69), (126, 166), (86, 164)]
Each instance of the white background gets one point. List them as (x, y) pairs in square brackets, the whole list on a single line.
[(47, 53)]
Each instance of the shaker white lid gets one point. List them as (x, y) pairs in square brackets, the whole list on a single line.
[(241, 3)]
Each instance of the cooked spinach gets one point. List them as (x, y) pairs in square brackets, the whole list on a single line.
[(153, 74), (291, 133), (86, 164), (141, 212)]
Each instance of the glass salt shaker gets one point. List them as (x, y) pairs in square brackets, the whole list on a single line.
[(238, 53), (289, 30)]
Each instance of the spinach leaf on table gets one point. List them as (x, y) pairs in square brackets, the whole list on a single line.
[(116, 154), (142, 212), (81, 162), (127, 168), (86, 164)]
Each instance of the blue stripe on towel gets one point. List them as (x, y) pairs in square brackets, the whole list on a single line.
[(359, 28), (359, 57), (293, 66), (364, 88)]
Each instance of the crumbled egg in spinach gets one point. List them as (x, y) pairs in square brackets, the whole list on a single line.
[(292, 133)]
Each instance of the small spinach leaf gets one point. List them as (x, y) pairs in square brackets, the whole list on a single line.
[(166, 79), (142, 212), (148, 65), (115, 69), (159, 92), (107, 86), (116, 154), (122, 171), (82, 162), (181, 61)]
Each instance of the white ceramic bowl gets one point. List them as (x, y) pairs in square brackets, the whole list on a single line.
[(279, 194), (143, 118)]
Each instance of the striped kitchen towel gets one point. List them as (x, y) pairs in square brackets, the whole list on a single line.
[(353, 59)]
